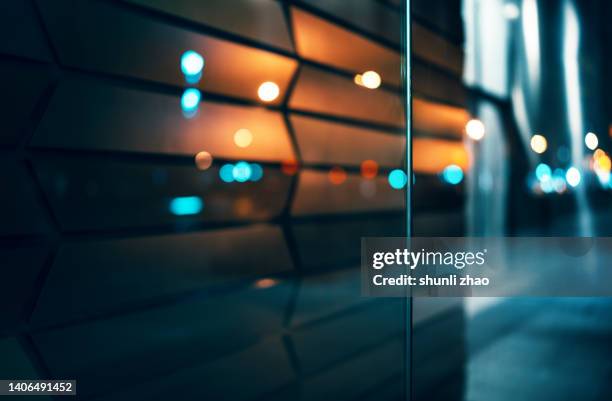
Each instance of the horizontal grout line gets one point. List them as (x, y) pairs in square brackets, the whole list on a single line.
[(173, 159), (25, 59), (351, 121), (430, 135), (418, 95), (440, 69)]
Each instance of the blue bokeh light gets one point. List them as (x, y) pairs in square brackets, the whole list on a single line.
[(242, 171), (226, 173), (190, 100), (543, 172), (256, 172), (452, 174), (192, 64), (397, 179), (186, 205)]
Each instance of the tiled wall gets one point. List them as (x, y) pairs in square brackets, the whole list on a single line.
[(258, 295)]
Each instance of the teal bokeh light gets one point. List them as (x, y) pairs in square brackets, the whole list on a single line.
[(242, 171), (190, 100), (452, 174), (397, 179), (256, 172), (192, 63), (226, 173), (543, 172), (186, 205)]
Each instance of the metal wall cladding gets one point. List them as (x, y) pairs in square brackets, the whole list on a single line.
[(251, 289)]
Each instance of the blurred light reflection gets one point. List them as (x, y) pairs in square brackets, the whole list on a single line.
[(369, 169), (475, 129), (511, 11), (337, 175), (256, 172), (265, 283), (243, 138), (453, 174), (192, 63), (367, 188), (190, 102), (186, 205), (573, 176), (591, 141), (543, 172), (539, 144), (268, 91), (226, 173), (289, 167), (398, 179), (203, 160), (241, 171)]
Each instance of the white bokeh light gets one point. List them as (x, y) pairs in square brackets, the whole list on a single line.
[(591, 141), (573, 176)]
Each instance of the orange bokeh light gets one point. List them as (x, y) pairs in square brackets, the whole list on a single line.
[(243, 207), (289, 167), (603, 163), (337, 175), (203, 160), (369, 169), (265, 283)]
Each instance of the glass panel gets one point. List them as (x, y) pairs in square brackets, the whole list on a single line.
[(185, 188)]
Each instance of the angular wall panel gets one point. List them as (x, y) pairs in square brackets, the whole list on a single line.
[(21, 267), (330, 245), (246, 375), (93, 194), (261, 21), (431, 156), (321, 295), (436, 49), (353, 195), (15, 362), (322, 92), (327, 43), (370, 16), (20, 209), (437, 118), (373, 368), (117, 118), (437, 85), (324, 142), (20, 33), (23, 83), (155, 266), (111, 354), (140, 47), (369, 326)]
